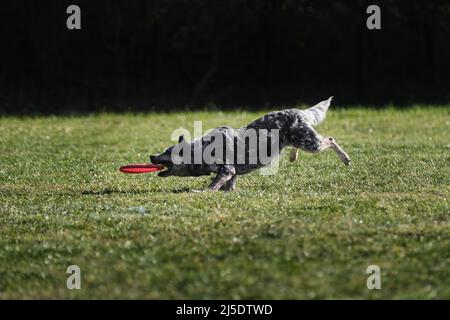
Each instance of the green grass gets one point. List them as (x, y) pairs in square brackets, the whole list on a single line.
[(308, 232)]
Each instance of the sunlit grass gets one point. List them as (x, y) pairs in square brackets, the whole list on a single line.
[(308, 232)]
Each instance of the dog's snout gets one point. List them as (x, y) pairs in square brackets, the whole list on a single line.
[(152, 158)]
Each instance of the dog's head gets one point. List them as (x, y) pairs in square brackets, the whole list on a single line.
[(173, 168)]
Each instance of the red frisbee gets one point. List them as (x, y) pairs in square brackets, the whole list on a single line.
[(141, 168)]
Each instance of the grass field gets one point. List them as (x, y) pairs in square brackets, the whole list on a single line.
[(308, 232)]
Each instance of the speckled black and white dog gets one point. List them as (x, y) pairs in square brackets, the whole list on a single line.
[(278, 129)]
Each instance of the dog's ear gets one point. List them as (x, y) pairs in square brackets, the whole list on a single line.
[(180, 139)]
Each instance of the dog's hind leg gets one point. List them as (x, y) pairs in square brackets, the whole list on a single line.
[(341, 153), (330, 142), (224, 174), (309, 140), (293, 155)]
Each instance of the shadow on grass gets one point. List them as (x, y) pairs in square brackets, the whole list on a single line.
[(112, 191), (182, 190), (140, 191)]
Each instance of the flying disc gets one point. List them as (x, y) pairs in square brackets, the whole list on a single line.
[(141, 168)]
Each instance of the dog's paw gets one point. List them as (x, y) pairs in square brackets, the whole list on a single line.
[(345, 158)]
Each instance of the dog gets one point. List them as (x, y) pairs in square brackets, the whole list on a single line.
[(279, 129)]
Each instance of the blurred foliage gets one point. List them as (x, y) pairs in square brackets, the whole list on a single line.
[(177, 53)]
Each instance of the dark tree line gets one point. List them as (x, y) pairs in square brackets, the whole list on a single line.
[(165, 54)]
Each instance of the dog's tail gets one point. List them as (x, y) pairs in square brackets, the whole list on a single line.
[(317, 113)]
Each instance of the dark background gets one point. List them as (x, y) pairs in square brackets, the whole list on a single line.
[(176, 54)]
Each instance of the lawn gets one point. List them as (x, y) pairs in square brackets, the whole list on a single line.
[(309, 231)]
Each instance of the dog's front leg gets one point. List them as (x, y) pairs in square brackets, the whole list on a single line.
[(230, 185), (224, 174)]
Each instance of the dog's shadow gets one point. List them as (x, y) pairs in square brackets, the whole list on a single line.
[(111, 191), (182, 190), (139, 191)]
